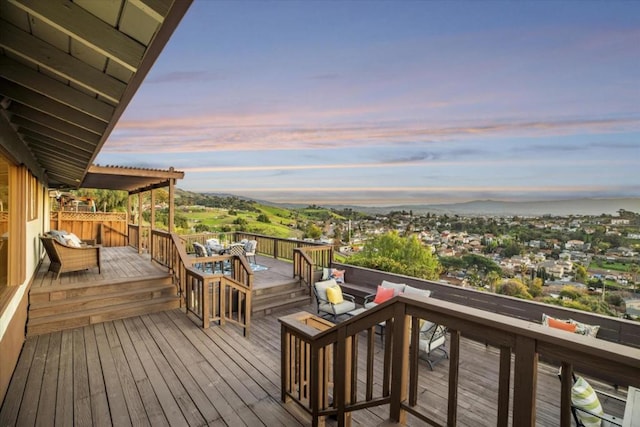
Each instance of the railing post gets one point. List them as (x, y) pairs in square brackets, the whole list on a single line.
[(454, 364), (565, 394), (503, 386), (525, 382), (400, 364)]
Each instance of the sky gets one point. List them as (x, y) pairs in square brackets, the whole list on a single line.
[(385, 103)]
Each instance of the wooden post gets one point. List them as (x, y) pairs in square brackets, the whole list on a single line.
[(153, 222), (565, 394), (503, 386), (172, 183), (400, 364), (139, 223), (525, 382), (454, 363)]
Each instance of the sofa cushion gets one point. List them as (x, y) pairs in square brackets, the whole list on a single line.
[(410, 290), (584, 397), (397, 287), (585, 329), (383, 294), (552, 322), (321, 288), (334, 295)]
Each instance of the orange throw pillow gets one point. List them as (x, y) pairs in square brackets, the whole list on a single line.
[(383, 294), (559, 324)]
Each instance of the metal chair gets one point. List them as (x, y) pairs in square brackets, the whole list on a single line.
[(250, 250)]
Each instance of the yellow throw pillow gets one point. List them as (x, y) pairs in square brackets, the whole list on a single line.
[(334, 295)]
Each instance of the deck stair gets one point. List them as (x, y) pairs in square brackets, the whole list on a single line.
[(270, 299), (55, 308)]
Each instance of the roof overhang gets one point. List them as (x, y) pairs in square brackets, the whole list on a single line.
[(68, 69), (133, 180)]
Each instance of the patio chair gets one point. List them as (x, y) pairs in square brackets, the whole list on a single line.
[(331, 300), (431, 344), (201, 252), (585, 404), (250, 250), (65, 258), (236, 249)]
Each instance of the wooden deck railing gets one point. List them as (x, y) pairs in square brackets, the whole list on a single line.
[(309, 260), (207, 297), (274, 247), (321, 372), (626, 332)]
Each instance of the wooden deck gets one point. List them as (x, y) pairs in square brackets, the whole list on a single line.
[(124, 262), (161, 369), (117, 263)]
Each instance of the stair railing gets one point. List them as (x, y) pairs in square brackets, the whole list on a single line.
[(207, 297)]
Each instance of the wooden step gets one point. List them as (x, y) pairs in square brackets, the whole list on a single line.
[(274, 298), (53, 293), (68, 305), (278, 295), (266, 309), (293, 285), (86, 317)]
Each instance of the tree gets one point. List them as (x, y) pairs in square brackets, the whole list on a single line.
[(581, 274), (312, 231), (263, 218), (396, 254), (514, 288), (634, 269), (492, 279)]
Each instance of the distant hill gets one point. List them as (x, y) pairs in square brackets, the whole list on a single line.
[(479, 207), (538, 208)]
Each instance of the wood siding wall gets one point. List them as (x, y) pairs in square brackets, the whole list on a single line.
[(11, 344)]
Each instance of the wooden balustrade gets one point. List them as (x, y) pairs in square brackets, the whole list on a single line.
[(274, 247), (612, 329), (309, 260), (207, 297), (320, 364)]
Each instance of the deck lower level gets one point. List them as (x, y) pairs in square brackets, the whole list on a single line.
[(161, 369)]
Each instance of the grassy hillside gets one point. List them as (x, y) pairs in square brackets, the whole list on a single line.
[(230, 213)]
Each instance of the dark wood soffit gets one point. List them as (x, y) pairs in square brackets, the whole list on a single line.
[(129, 179)]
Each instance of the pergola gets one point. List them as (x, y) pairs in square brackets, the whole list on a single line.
[(136, 181)]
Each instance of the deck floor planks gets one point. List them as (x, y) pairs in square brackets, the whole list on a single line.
[(115, 396), (161, 390), (64, 393), (29, 407), (47, 400), (149, 401), (99, 405), (189, 373), (135, 406), (81, 393), (173, 382)]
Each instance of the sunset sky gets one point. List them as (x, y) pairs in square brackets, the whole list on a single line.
[(385, 103)]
